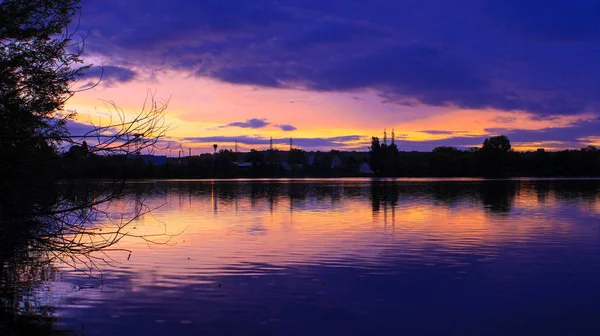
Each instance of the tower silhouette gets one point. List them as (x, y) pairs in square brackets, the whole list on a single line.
[(271, 144)]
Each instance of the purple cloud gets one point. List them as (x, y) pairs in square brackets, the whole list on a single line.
[(257, 123), (109, 75), (538, 56), (250, 123), (287, 127), (77, 128)]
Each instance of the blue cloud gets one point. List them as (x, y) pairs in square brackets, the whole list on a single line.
[(250, 123), (539, 56), (257, 123), (77, 128), (552, 21), (109, 75), (287, 127)]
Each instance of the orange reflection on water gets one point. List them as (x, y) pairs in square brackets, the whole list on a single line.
[(232, 228)]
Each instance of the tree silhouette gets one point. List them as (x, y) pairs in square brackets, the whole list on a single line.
[(255, 157), (38, 69), (296, 156), (383, 157), (41, 215), (39, 63), (375, 154), (499, 143), (496, 156)]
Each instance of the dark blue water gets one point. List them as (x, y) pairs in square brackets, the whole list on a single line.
[(344, 257)]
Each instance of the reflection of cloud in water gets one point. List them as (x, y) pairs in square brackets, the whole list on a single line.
[(286, 253), (402, 294)]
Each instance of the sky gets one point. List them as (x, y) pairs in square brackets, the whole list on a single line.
[(330, 74)]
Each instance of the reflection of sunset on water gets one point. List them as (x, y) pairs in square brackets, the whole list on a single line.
[(254, 253), (222, 226)]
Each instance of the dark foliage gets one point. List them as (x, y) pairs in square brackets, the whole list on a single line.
[(43, 219), (497, 161)]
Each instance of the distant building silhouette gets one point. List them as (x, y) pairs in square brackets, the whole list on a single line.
[(365, 168), (336, 162)]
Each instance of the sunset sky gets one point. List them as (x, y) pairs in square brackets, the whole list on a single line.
[(331, 74)]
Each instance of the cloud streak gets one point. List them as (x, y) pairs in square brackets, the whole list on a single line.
[(328, 142), (573, 136)]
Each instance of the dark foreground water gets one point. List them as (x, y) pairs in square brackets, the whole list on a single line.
[(344, 257)]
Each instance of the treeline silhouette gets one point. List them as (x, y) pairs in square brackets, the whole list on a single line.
[(495, 158)]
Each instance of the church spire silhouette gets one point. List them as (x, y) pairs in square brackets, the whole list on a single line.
[(385, 136)]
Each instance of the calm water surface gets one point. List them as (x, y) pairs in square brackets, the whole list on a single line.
[(347, 257)]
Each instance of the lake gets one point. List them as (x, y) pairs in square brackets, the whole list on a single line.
[(341, 257)]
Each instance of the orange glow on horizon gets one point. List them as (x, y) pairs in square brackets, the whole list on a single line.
[(200, 107)]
